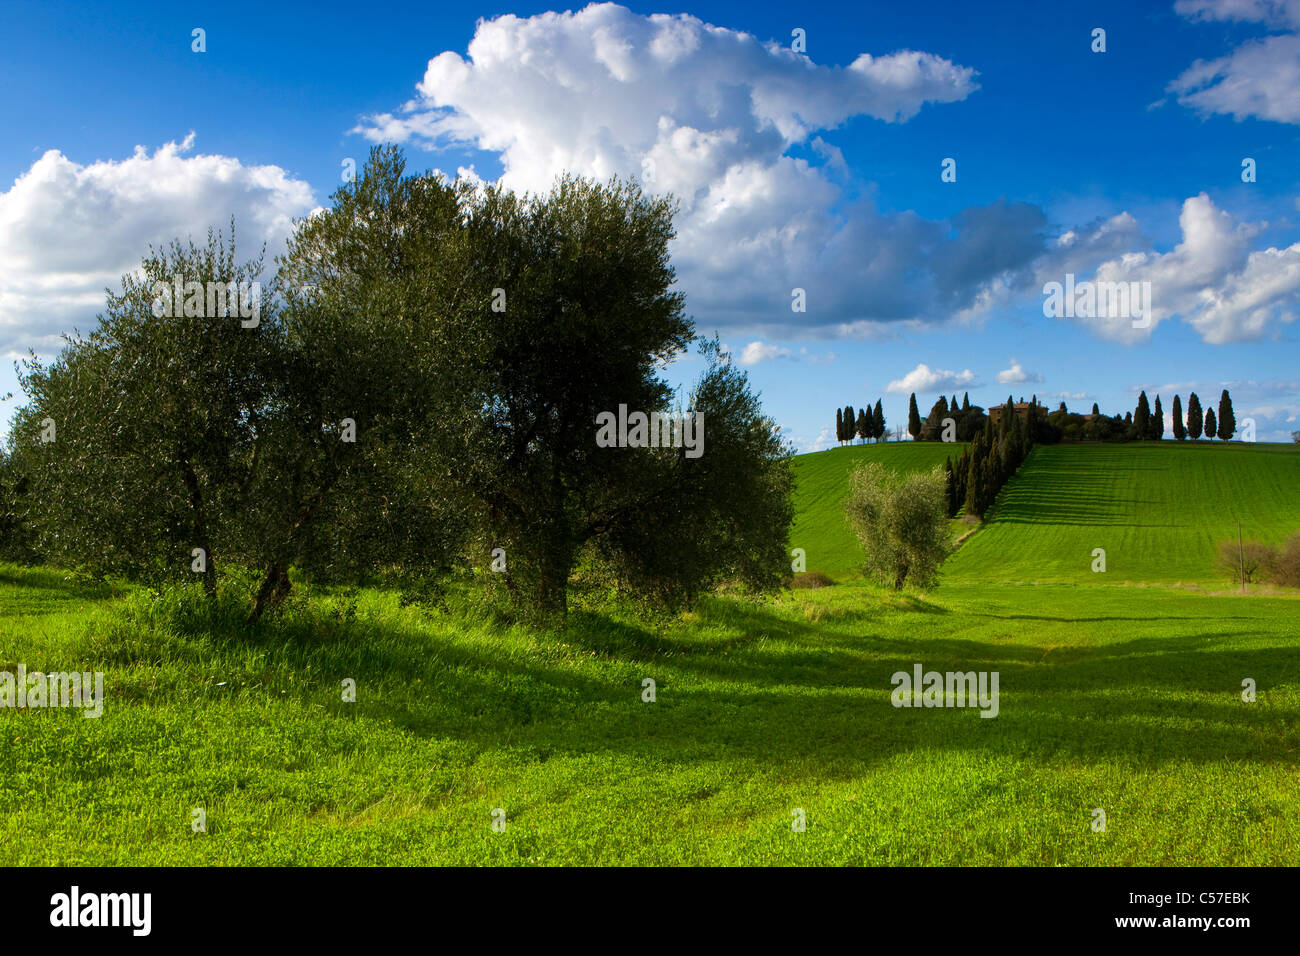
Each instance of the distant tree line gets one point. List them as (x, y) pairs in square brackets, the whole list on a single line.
[(1222, 426), (1144, 423), (1147, 423), (868, 424), (967, 420)]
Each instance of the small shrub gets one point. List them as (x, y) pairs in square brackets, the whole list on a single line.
[(1253, 559), (811, 579), (1285, 569)]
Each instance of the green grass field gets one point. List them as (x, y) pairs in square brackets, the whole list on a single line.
[(1157, 509), (1123, 698)]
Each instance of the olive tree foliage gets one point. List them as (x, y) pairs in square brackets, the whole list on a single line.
[(422, 387), (683, 524), (14, 538), (374, 291), (292, 442), (901, 521), (138, 438), (584, 312), (589, 319)]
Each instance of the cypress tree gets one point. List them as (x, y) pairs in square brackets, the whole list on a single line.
[(1195, 419), (1210, 425), (839, 425), (992, 482), (974, 476), (965, 402), (1095, 409), (1019, 443), (1180, 433), (913, 418), (1142, 419), (932, 427), (1157, 422), (879, 428), (1227, 420), (963, 476), (863, 429), (849, 419), (950, 483)]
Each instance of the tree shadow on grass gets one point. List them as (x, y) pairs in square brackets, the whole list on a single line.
[(1089, 709), (772, 708), (762, 691), (54, 588)]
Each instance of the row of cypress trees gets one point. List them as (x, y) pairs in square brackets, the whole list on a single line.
[(1149, 424), (988, 461), (866, 423), (1223, 425)]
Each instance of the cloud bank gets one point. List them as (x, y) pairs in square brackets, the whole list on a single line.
[(69, 230)]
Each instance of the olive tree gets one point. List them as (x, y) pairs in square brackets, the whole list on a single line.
[(373, 289), (901, 521), (583, 319), (683, 524), (175, 437), (425, 377), (138, 439)]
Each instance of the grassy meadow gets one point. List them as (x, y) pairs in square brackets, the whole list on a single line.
[(1119, 691)]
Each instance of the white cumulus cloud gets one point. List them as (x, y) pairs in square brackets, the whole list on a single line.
[(1212, 279), (926, 379), (1257, 79), (756, 352), (69, 230), (1016, 375), (711, 114)]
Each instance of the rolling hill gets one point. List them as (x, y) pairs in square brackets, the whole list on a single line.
[(1158, 509)]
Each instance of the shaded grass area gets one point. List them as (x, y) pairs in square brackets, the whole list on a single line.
[(1116, 698)]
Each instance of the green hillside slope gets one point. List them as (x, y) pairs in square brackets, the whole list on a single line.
[(822, 484), (1158, 510)]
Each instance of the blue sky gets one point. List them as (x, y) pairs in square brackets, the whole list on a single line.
[(817, 170)]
